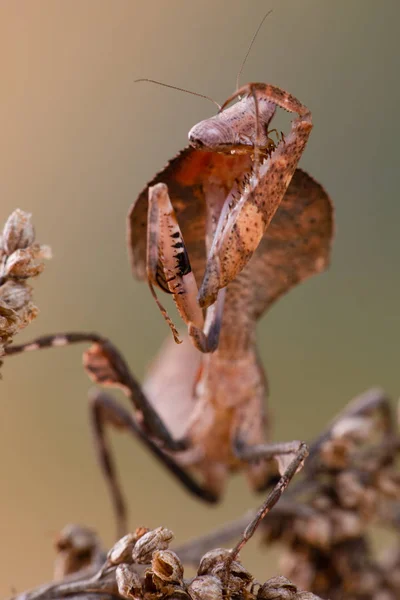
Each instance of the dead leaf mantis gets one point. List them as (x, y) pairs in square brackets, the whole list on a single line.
[(232, 216)]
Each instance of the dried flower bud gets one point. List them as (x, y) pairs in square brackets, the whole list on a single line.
[(345, 525), (140, 531), (18, 232), (335, 453), (388, 482), (9, 321), (157, 539), (307, 596), (349, 489), (77, 547), (20, 258), (239, 577), (315, 530), (121, 552), (211, 559), (322, 502), (128, 582), (352, 494), (15, 295), (205, 587), (356, 428), (277, 588), (23, 264), (167, 566)]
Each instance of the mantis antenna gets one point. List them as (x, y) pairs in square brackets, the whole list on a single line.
[(250, 47), (174, 87)]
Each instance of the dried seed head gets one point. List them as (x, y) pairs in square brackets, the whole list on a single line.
[(277, 588), (315, 530), (23, 263), (128, 582), (307, 596), (353, 494), (355, 428), (140, 531), (349, 489), (12, 321), (335, 453), (215, 563), (20, 259), (77, 548), (345, 525), (151, 584), (322, 502), (205, 587), (15, 295), (388, 483), (157, 539), (239, 577), (211, 559), (121, 552), (167, 566), (18, 232)]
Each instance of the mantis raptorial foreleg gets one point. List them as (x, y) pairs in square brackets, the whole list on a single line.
[(168, 266)]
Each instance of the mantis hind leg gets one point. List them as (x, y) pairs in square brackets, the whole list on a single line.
[(105, 411), (106, 366)]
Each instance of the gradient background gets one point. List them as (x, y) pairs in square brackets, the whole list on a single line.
[(79, 140)]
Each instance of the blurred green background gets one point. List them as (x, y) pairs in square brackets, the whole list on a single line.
[(79, 140)]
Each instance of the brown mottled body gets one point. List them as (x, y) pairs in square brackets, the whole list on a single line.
[(224, 191), (222, 400), (230, 215)]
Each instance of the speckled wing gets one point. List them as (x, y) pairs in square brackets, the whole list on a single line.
[(187, 176), (296, 245)]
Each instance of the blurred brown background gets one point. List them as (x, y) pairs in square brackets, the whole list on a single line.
[(78, 141)]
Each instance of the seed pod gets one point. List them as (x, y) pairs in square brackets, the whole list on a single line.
[(211, 559), (167, 566), (335, 453), (9, 321), (77, 547), (128, 582), (205, 587), (238, 577), (355, 428), (15, 295), (345, 525), (157, 539), (277, 588), (388, 482), (140, 531), (121, 552), (23, 264), (349, 489), (316, 530), (18, 232)]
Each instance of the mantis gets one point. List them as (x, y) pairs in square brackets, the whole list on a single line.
[(228, 227)]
